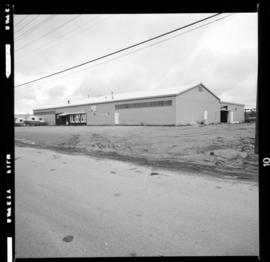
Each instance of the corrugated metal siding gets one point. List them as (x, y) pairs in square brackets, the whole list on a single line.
[(191, 105)]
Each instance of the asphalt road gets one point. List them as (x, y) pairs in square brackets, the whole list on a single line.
[(77, 206)]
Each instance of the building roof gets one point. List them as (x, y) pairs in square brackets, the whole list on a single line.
[(155, 93), (230, 103)]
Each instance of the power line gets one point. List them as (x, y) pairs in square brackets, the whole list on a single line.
[(70, 20), (29, 22), (80, 30), (120, 50), (17, 22), (21, 24), (159, 42), (67, 34), (142, 48), (19, 37)]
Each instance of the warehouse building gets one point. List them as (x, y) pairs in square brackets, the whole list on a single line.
[(173, 106)]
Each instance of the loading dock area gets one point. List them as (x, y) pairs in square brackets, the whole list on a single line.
[(71, 118)]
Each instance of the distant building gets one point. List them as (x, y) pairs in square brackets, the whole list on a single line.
[(173, 106), (28, 119)]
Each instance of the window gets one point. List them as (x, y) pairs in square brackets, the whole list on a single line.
[(83, 118), (77, 118), (144, 104), (71, 118)]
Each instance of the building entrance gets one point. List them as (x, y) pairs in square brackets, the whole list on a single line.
[(61, 120), (224, 116)]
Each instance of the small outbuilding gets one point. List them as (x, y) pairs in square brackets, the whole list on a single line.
[(232, 112)]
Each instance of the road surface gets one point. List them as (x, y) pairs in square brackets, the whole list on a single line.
[(77, 206)]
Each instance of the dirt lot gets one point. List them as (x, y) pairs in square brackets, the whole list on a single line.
[(225, 150)]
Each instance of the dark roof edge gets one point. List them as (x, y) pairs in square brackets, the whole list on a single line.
[(231, 103)]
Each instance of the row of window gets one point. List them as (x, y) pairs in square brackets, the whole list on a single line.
[(78, 118), (144, 104), (45, 113)]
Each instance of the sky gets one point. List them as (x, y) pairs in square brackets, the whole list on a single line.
[(222, 55)]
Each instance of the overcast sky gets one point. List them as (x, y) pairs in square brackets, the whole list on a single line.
[(221, 55)]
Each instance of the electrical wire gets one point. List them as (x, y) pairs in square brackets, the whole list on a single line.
[(77, 30), (118, 51), (142, 48), (56, 28), (29, 22), (20, 37), (18, 22), (67, 34)]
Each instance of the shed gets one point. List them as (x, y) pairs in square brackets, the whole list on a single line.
[(232, 112)]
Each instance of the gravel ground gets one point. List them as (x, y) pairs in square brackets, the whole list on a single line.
[(225, 150)]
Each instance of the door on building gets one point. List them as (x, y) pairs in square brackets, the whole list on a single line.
[(205, 116), (224, 116), (230, 117), (116, 118), (61, 120)]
